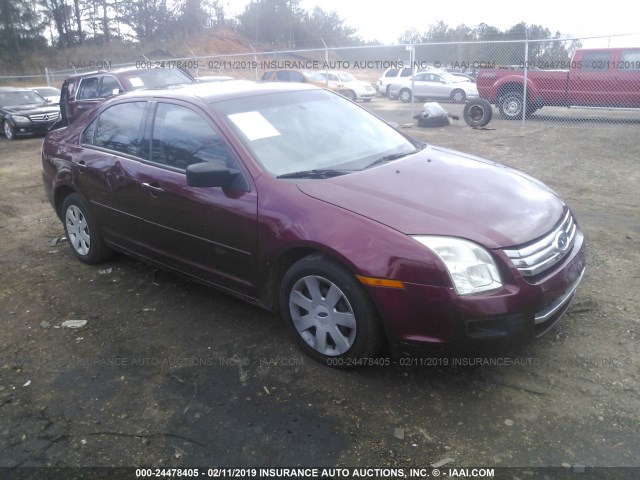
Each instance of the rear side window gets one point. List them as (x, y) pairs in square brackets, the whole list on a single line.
[(118, 128), (598, 60), (393, 72), (182, 137), (406, 72), (89, 88)]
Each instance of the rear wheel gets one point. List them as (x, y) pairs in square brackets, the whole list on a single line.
[(458, 96), (82, 232), (511, 105), (405, 95), (329, 312)]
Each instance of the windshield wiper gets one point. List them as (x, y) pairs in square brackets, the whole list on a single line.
[(388, 158), (316, 173)]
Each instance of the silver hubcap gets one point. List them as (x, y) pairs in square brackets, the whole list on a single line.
[(78, 230), (512, 106), (7, 130), (405, 96), (458, 96), (322, 315)]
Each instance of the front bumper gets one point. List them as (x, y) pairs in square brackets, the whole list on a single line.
[(422, 315), (33, 129)]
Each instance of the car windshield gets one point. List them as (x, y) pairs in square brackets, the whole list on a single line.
[(312, 131), (346, 77), (24, 97), (47, 91), (155, 78), (451, 78)]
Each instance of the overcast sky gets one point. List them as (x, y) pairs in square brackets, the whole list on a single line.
[(388, 20)]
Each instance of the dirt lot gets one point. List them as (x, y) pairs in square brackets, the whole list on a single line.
[(167, 373)]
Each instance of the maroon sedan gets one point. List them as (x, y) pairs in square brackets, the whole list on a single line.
[(298, 200)]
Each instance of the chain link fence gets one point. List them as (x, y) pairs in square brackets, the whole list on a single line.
[(527, 80)]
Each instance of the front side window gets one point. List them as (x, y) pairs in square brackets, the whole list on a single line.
[(182, 137), (118, 128)]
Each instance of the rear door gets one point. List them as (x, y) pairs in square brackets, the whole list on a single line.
[(107, 169), (592, 83), (92, 91)]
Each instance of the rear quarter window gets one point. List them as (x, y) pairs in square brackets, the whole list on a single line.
[(598, 60)]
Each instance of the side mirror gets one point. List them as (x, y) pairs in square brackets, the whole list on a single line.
[(209, 174)]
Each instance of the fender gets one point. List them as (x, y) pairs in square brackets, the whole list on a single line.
[(532, 87)]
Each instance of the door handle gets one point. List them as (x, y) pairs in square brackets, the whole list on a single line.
[(152, 189), (82, 166)]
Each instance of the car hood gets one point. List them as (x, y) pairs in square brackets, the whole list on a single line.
[(30, 109), (443, 192)]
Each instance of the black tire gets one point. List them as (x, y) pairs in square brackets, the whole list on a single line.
[(367, 99), (8, 130), (82, 232), (511, 105), (328, 311), (351, 95), (386, 91), (405, 95), (458, 96), (477, 112)]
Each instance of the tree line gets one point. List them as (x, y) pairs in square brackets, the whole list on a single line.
[(29, 26)]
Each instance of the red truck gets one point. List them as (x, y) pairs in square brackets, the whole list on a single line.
[(605, 77)]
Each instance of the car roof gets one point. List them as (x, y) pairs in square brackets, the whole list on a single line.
[(14, 89), (217, 91), (103, 72)]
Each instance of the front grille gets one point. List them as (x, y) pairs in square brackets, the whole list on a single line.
[(44, 117), (543, 254)]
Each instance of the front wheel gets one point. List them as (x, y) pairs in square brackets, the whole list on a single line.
[(8, 130), (329, 312), (82, 232)]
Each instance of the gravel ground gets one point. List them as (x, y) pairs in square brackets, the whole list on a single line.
[(168, 373)]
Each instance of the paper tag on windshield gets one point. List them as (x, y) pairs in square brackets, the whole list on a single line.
[(254, 125), (136, 82)]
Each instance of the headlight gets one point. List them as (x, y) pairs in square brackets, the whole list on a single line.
[(20, 120), (470, 266)]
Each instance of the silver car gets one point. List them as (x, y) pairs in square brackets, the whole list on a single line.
[(434, 85)]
